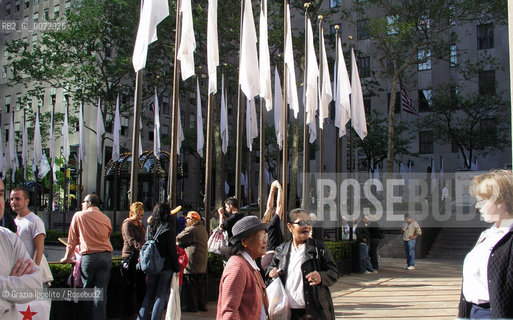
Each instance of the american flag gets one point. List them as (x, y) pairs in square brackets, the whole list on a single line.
[(406, 102)]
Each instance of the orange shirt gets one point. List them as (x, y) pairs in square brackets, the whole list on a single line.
[(91, 229)]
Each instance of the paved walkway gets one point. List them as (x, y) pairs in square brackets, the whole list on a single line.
[(430, 291)]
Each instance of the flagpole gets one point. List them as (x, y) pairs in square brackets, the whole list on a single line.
[(321, 130), (81, 165), (135, 137), (351, 135), (338, 139), (50, 206), (261, 186), (174, 114), (238, 154), (284, 173), (306, 144), (208, 157)]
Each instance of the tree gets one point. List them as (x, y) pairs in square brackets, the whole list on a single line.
[(472, 122), (407, 33)]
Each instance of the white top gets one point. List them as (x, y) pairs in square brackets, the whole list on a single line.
[(475, 266), (11, 249), (294, 283), (445, 193), (254, 266), (29, 227)]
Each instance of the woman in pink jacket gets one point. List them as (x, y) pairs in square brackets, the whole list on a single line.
[(242, 292)]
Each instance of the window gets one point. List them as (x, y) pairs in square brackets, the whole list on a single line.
[(424, 100), (192, 120), (454, 147), (366, 105), (18, 101), (27, 4), (424, 59), (53, 99), (17, 6), (485, 36), (397, 102), (36, 2), (166, 107), (7, 9), (124, 126), (454, 56), (25, 19), (47, 14), (335, 3), (6, 132), (109, 123), (34, 38), (425, 142), (35, 17), (364, 68), (487, 82), (165, 131), (67, 6), (362, 29), (424, 23), (4, 72), (488, 128), (7, 104), (56, 11), (392, 25)]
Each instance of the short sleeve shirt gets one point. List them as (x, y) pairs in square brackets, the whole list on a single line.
[(29, 227)]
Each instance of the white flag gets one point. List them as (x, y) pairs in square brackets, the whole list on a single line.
[(342, 90), (100, 130), (51, 146), (181, 136), (278, 109), (325, 93), (81, 138), (152, 13), (65, 137), (156, 126), (200, 140), (116, 132), (310, 88), (24, 148), (187, 41), (249, 76), (38, 147), (251, 123), (290, 86), (223, 128), (44, 167), (265, 63), (357, 109), (3, 165), (212, 46), (244, 182), (13, 154)]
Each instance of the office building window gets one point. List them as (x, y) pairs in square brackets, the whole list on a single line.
[(364, 68), (335, 3), (488, 128), (36, 2), (425, 142), (17, 6), (34, 38), (392, 24), (485, 36), (424, 100), (165, 131), (27, 4), (362, 29), (124, 126), (7, 108), (424, 59), (454, 56), (47, 14), (4, 72), (7, 9), (35, 17), (67, 5), (486, 82), (56, 11)]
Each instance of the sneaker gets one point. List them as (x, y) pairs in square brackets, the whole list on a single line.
[(374, 272), (411, 268), (367, 272)]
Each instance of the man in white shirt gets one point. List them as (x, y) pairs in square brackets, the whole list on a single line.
[(17, 270)]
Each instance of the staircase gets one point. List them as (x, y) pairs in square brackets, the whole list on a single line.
[(454, 243)]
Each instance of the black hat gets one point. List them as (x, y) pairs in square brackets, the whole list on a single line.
[(246, 227)]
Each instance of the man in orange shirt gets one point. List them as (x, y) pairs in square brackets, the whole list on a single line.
[(91, 229)]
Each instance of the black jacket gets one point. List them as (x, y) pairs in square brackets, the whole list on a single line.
[(319, 304), (230, 222), (166, 244), (362, 232), (500, 281)]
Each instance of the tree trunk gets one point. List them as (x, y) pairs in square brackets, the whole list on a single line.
[(391, 126), (294, 166)]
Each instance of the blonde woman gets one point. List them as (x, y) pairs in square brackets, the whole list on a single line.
[(487, 289), (273, 216)]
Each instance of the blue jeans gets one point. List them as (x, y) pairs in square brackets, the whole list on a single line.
[(409, 250), (365, 264), (480, 313), (95, 273), (158, 287)]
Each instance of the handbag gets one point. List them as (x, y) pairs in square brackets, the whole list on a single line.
[(279, 308), (217, 241)]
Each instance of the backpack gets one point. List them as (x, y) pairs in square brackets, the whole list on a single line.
[(150, 260)]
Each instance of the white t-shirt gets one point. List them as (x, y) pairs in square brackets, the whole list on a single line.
[(29, 227), (294, 283)]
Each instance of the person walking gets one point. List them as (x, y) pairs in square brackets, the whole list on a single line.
[(158, 286), (307, 270), (363, 238), (242, 292), (411, 231), (91, 229), (487, 287), (376, 234), (194, 240)]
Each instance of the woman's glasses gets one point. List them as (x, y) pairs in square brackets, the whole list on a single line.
[(303, 223)]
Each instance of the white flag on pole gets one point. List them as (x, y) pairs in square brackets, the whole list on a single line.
[(325, 93), (187, 41), (115, 132), (200, 140), (81, 138), (311, 78), (156, 126), (357, 108), (152, 13), (212, 46), (65, 137), (290, 86), (265, 61), (13, 154), (24, 149), (251, 123), (100, 130), (223, 128), (181, 136), (249, 76), (44, 167), (278, 109), (38, 149), (342, 90), (51, 147)]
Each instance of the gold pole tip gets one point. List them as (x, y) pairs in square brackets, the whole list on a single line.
[(350, 37), (337, 27), (307, 4), (320, 17)]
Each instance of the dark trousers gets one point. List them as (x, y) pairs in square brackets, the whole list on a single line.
[(194, 292), (373, 252), (478, 312), (297, 314)]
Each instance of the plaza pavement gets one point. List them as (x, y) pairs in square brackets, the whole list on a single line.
[(431, 291)]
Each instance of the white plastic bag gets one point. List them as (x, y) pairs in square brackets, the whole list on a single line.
[(217, 241), (173, 310), (279, 308)]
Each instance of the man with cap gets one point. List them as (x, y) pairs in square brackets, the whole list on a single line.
[(194, 240), (242, 292)]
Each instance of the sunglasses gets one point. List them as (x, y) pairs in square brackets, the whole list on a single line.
[(303, 223)]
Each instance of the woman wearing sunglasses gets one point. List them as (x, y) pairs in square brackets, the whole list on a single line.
[(306, 270)]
